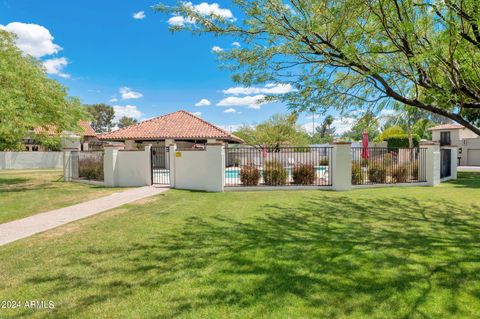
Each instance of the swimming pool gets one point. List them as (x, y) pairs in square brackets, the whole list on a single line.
[(234, 172)]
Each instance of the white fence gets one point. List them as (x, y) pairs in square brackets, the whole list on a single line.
[(30, 160), (206, 170)]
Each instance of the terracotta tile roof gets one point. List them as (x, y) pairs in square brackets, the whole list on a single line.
[(52, 130), (446, 127), (87, 129), (176, 125)]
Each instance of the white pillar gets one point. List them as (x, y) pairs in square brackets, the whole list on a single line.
[(171, 162), (216, 167), (341, 166), (67, 165), (433, 163), (109, 167)]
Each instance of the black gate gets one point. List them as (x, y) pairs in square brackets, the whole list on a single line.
[(445, 163), (160, 165)]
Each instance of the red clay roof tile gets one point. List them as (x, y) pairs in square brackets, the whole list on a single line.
[(176, 125)]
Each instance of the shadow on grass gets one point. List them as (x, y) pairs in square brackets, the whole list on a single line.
[(467, 180), (326, 256), (4, 181)]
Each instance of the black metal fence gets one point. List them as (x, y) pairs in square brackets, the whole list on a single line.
[(445, 162), (160, 165), (90, 165), (381, 165), (282, 166)]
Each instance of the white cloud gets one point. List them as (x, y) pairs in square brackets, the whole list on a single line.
[(56, 66), (236, 44), (139, 15), (206, 10), (203, 102), (127, 93), (217, 49), (33, 39), (230, 110), (341, 125), (268, 89), (197, 113), (127, 110), (113, 100), (252, 102), (229, 127)]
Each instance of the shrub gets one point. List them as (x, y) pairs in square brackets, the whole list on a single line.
[(401, 173), (91, 169), (303, 174), (249, 175), (274, 173), (377, 173), (357, 175), (323, 161), (401, 140)]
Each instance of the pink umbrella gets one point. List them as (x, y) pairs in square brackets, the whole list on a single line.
[(365, 150), (264, 150)]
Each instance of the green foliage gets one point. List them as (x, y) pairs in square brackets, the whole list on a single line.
[(354, 54), (126, 121), (402, 140), (279, 130), (274, 173), (401, 174), (102, 117), (390, 131), (325, 133), (303, 174), (29, 99), (91, 169), (368, 122), (324, 161), (357, 174), (377, 173), (249, 175)]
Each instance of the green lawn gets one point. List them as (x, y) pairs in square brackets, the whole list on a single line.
[(371, 253), (28, 192)]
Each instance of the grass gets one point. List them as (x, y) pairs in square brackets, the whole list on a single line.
[(372, 253), (28, 192)]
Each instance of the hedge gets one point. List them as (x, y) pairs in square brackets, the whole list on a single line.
[(401, 140)]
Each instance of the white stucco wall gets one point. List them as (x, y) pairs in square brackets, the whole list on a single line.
[(341, 166), (31, 160), (199, 169), (127, 168)]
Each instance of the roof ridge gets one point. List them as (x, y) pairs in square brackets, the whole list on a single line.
[(204, 121)]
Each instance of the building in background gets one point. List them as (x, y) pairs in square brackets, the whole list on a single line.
[(468, 142), (181, 127)]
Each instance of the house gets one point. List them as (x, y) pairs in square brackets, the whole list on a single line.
[(181, 127), (87, 140), (468, 142)]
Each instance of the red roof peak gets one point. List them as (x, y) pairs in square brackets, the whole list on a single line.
[(176, 125)]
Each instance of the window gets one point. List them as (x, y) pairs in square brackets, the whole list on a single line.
[(445, 138)]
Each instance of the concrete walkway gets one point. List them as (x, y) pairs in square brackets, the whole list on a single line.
[(469, 168), (35, 224)]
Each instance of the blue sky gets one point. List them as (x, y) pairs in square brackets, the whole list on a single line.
[(105, 52)]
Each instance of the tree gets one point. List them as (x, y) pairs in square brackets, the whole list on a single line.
[(126, 121), (29, 99), (351, 53), (325, 132), (367, 122), (279, 130), (102, 116)]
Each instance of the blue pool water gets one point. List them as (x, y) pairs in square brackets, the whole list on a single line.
[(235, 172)]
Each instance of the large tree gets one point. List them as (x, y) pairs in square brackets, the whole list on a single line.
[(29, 99), (350, 53), (102, 117), (279, 130), (126, 121)]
